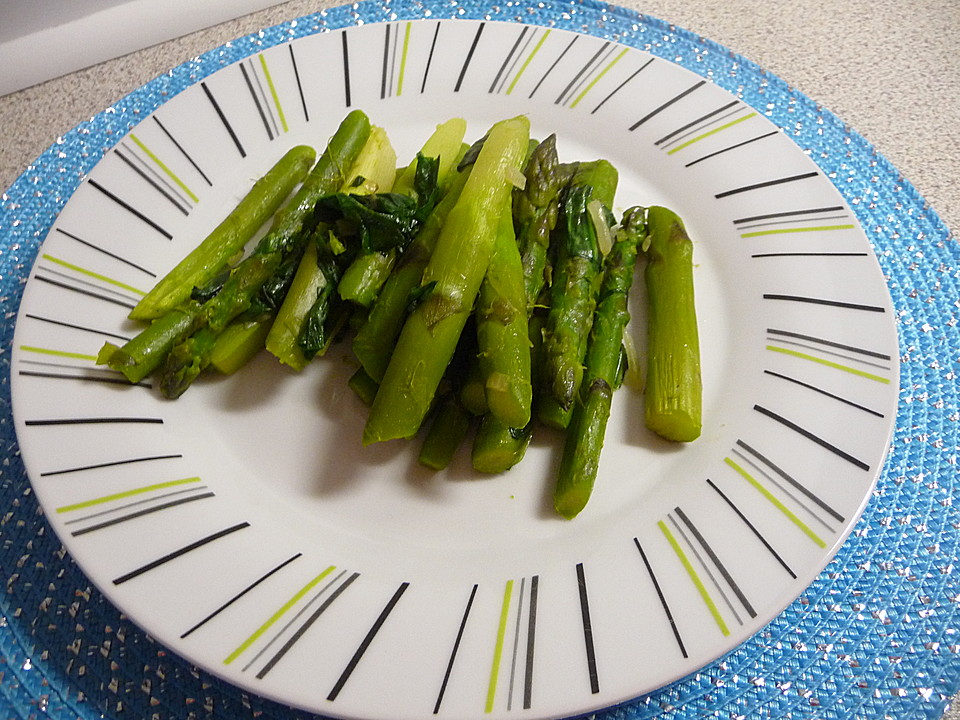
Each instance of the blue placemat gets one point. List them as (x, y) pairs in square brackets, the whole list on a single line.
[(876, 634)]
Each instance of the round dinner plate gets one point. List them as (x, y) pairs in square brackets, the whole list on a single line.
[(245, 527)]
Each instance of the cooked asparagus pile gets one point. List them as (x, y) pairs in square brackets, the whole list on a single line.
[(481, 287)]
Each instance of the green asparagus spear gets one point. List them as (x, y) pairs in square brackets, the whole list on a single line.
[(144, 353), (584, 439), (238, 343), (472, 390), (573, 296), (504, 349), (363, 385), (535, 209), (229, 237), (454, 272), (448, 427), (185, 362), (497, 447), (674, 390)]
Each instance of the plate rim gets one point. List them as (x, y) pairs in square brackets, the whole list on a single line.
[(853, 208)]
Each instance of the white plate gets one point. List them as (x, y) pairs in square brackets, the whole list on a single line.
[(243, 525)]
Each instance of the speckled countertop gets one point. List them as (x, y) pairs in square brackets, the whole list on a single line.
[(888, 68)]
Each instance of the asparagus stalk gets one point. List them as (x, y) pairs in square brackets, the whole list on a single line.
[(228, 238), (454, 272), (535, 209), (238, 343), (363, 385), (497, 446), (504, 350), (144, 353), (473, 391), (448, 427), (573, 291), (673, 399), (584, 439)]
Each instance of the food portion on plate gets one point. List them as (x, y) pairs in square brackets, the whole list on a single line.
[(482, 286)]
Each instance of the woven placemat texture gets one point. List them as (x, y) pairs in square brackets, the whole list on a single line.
[(875, 636)]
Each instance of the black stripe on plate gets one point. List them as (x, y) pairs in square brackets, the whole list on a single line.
[(675, 99), (466, 63), (433, 46), (296, 76), (223, 119), (766, 184), (587, 631), (367, 641), (753, 529), (153, 565), (531, 641), (699, 120), (141, 513), (182, 151), (808, 254), (94, 421), (732, 147), (620, 86), (306, 626), (107, 379), (793, 482), (552, 66), (830, 395), (109, 254), (790, 213), (663, 600), (112, 463), (346, 67), (386, 59), (87, 293), (812, 437), (717, 562), (240, 594), (129, 208), (453, 651), (823, 301), (73, 326)]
